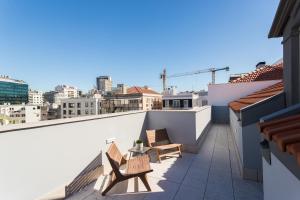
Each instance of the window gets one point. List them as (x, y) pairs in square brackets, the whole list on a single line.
[(186, 103), (86, 104), (71, 105), (64, 112), (92, 112), (166, 103), (176, 104), (78, 112), (23, 121), (92, 104), (78, 105), (70, 112), (64, 105)]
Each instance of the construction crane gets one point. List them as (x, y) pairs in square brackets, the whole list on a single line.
[(164, 77)]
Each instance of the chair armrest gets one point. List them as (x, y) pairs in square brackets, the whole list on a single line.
[(125, 158)]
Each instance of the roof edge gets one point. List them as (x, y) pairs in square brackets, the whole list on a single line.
[(281, 17), (261, 101)]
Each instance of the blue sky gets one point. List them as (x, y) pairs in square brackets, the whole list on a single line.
[(53, 42)]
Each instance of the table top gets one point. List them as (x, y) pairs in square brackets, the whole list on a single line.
[(137, 150)]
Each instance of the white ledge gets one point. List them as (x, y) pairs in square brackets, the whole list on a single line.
[(54, 122)]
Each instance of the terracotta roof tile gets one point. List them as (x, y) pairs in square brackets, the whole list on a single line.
[(293, 148), (268, 72), (261, 95), (285, 132), (140, 90)]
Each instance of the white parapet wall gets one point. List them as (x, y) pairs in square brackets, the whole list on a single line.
[(37, 158), (222, 94), (183, 126), (279, 182)]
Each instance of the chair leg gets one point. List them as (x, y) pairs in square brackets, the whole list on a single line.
[(145, 181), (180, 154), (158, 157), (112, 184)]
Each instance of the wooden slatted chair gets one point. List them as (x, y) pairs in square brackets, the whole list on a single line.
[(160, 141), (123, 169)]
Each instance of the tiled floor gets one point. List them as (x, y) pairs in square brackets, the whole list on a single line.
[(212, 174)]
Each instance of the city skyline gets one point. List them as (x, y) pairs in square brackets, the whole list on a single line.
[(46, 43)]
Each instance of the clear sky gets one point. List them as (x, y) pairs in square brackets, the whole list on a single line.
[(51, 42)]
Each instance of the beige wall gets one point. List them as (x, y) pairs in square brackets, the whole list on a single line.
[(151, 102)]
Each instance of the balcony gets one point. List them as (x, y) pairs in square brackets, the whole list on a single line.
[(44, 157)]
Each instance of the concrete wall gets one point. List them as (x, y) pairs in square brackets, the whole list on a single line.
[(252, 165), (203, 119), (39, 157), (37, 160), (279, 183), (247, 139), (222, 94), (236, 128), (184, 127)]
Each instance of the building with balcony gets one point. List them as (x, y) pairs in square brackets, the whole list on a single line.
[(82, 106), (35, 97), (17, 114), (13, 91), (135, 98), (68, 91)]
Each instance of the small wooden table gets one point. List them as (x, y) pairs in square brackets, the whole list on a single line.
[(142, 151)]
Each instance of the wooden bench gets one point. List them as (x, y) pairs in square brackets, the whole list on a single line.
[(160, 141), (123, 169)]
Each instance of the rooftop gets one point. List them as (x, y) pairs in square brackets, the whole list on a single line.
[(8, 79), (265, 73), (212, 173), (255, 97), (140, 90)]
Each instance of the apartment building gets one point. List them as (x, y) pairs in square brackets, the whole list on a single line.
[(13, 91), (69, 91), (16, 114), (35, 97), (104, 84), (135, 98), (82, 106), (183, 100)]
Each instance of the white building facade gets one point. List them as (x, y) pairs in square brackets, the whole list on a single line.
[(35, 97), (184, 100), (68, 91), (16, 114), (83, 106)]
